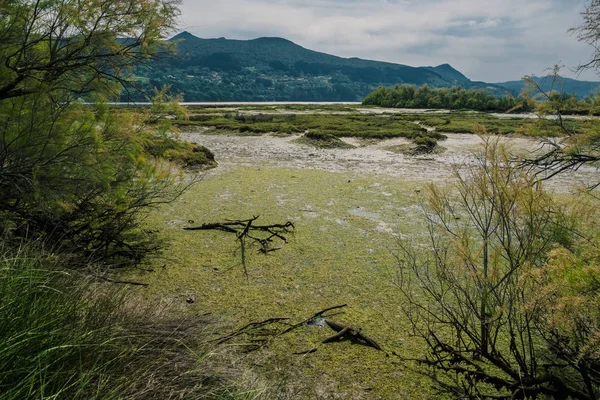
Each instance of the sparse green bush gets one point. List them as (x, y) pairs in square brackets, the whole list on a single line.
[(72, 175), (183, 153), (79, 179), (502, 296)]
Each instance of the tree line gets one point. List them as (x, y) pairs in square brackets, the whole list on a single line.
[(533, 99), (455, 98)]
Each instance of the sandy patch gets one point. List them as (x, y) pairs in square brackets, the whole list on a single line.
[(369, 156)]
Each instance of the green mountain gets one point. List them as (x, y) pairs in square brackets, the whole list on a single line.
[(275, 69), (581, 89), (449, 73)]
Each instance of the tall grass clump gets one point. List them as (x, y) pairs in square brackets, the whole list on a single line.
[(63, 336), (53, 343)]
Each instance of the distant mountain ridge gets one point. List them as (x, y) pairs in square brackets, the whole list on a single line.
[(448, 72), (276, 69), (274, 49), (581, 89)]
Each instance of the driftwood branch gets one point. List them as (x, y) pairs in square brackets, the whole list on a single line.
[(255, 329), (349, 333), (264, 235), (259, 336), (234, 226)]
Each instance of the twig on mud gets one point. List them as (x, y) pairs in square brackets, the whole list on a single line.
[(246, 328), (252, 327), (246, 229), (259, 338)]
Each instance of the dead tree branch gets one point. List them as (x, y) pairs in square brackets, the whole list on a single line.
[(349, 333), (259, 336), (264, 235)]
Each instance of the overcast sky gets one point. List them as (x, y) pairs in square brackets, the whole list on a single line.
[(489, 40)]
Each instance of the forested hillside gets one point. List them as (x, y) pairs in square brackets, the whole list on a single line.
[(275, 69)]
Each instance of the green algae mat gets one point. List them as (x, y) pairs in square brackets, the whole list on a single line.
[(341, 252)]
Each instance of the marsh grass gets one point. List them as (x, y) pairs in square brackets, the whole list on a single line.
[(467, 122), (355, 125), (348, 121), (312, 107), (65, 336), (179, 152)]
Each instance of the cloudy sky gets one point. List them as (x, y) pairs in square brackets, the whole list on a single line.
[(489, 40)]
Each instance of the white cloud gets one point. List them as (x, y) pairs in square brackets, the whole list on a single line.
[(490, 40)]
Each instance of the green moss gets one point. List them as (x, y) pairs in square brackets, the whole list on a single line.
[(339, 254)]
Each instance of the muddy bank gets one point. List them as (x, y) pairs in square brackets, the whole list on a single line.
[(369, 156)]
